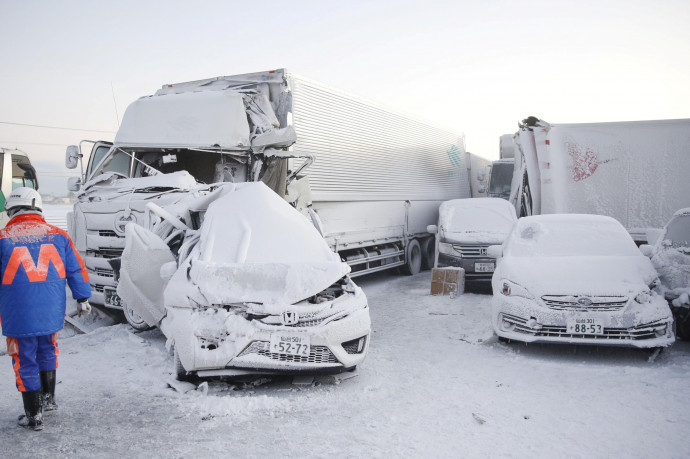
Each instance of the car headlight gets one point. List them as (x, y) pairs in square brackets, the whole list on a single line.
[(643, 297), (512, 289), (447, 249)]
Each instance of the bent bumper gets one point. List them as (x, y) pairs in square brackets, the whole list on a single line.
[(522, 320)]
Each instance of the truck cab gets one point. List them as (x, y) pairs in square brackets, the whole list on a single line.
[(15, 171)]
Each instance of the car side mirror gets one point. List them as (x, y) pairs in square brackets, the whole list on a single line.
[(495, 251), (432, 229), (74, 183), (72, 156)]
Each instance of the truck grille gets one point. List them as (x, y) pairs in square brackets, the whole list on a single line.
[(108, 252), (640, 332), (570, 303), (471, 251), (104, 272), (317, 354)]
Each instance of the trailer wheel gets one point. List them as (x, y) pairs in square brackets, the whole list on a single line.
[(134, 319), (428, 252), (413, 258)]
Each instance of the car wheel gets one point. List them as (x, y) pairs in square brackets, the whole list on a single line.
[(134, 319), (413, 258), (428, 252), (180, 373)]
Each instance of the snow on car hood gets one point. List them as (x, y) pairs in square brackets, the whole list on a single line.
[(255, 247), (591, 275)]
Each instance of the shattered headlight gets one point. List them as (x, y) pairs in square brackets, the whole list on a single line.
[(512, 289), (643, 297)]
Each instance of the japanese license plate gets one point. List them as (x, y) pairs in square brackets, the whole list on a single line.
[(111, 298), (484, 267), (290, 344), (585, 326)]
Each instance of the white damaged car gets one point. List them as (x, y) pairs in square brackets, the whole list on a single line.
[(241, 283), (577, 279)]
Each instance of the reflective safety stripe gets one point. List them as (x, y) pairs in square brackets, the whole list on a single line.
[(21, 256), (53, 339), (13, 350)]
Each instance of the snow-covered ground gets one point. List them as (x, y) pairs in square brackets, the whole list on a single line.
[(436, 383)]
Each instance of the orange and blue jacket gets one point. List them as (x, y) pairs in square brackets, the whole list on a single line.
[(36, 259)]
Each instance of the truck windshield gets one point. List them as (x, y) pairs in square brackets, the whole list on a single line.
[(501, 177), (205, 167)]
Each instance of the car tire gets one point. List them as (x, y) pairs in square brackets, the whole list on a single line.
[(413, 258), (180, 373), (134, 319), (428, 253)]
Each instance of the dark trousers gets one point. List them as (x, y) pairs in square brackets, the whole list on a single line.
[(30, 356)]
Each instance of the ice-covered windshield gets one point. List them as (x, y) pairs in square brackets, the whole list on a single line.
[(477, 215), (678, 231), (569, 235), (501, 178)]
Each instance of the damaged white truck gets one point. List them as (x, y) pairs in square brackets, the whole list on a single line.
[(368, 180)]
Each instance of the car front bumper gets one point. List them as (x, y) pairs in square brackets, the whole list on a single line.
[(231, 345), (525, 320)]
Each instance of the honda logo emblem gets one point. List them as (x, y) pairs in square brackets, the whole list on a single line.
[(289, 317), (482, 251)]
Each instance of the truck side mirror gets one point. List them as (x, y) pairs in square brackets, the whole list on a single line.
[(72, 157), (74, 183), (494, 251), (433, 229)]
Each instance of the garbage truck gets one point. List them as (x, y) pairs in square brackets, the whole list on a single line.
[(633, 171), (369, 178)]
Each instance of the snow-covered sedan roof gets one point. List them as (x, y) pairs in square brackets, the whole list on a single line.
[(570, 235)]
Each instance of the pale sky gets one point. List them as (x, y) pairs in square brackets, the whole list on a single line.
[(474, 67)]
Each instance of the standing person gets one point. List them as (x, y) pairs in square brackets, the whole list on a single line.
[(35, 261)]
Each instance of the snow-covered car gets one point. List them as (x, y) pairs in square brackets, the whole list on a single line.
[(466, 228), (240, 282), (670, 256), (577, 279)]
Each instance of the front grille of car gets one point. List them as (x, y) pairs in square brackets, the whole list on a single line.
[(640, 332), (570, 303), (108, 233), (317, 354), (471, 251)]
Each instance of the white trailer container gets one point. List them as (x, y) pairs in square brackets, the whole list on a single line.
[(635, 172), (376, 181)]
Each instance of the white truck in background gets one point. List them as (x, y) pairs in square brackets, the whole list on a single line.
[(501, 171), (370, 178), (635, 171), (15, 171)]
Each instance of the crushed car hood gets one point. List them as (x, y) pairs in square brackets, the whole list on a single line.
[(254, 247)]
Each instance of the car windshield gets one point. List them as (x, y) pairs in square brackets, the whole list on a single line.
[(477, 215), (570, 235), (678, 231)]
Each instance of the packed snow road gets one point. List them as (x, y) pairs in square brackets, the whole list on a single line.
[(436, 383)]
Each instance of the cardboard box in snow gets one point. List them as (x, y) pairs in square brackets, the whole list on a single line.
[(447, 281)]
